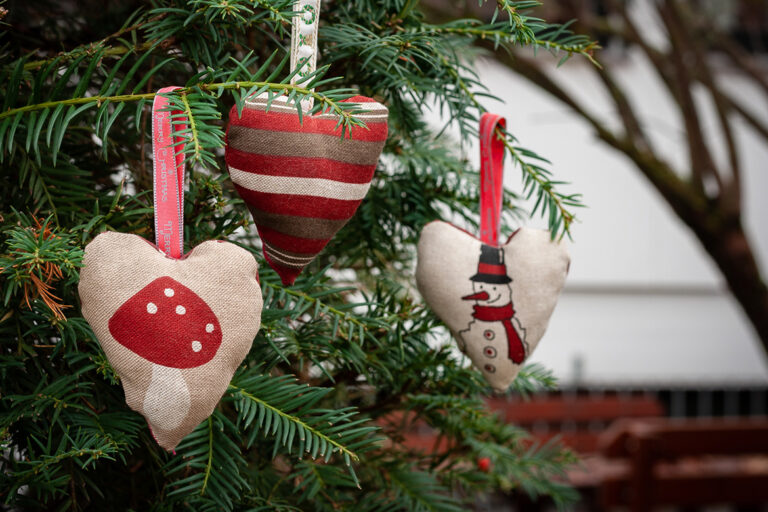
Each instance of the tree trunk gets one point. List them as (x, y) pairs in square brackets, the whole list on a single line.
[(729, 248)]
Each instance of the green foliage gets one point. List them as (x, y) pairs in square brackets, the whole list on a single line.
[(214, 460), (280, 408), (306, 422)]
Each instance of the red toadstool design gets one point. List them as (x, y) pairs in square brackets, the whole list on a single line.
[(169, 325)]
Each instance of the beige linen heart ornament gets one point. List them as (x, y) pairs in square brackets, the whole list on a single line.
[(495, 299), (174, 328), (449, 278), (299, 178)]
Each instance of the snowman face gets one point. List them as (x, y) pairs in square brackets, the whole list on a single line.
[(498, 294)]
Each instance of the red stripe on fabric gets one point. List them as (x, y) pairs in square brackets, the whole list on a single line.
[(359, 99), (301, 206), (487, 268), (289, 122), (291, 243), (287, 275), (300, 167)]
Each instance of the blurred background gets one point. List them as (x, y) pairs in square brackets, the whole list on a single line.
[(659, 339)]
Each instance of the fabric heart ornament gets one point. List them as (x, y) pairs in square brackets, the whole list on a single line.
[(495, 299), (174, 327), (300, 178)]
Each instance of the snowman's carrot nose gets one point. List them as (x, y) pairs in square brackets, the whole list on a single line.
[(477, 296)]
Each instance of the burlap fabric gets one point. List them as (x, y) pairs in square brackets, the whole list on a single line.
[(496, 301), (205, 307)]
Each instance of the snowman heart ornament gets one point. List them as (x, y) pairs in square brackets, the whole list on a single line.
[(174, 328), (495, 299)]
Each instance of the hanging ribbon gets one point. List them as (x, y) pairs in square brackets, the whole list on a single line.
[(491, 177), (304, 43), (168, 177)]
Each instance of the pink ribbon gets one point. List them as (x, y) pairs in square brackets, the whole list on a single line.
[(491, 177), (168, 177)]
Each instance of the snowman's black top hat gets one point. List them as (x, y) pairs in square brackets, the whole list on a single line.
[(491, 268)]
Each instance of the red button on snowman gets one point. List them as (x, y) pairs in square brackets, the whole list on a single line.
[(494, 325)]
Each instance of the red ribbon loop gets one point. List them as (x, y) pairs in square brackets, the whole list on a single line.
[(168, 177), (491, 177)]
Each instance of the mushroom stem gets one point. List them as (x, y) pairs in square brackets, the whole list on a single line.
[(167, 400)]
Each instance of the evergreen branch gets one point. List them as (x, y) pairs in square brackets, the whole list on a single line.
[(39, 257), (537, 33), (50, 465), (536, 178), (533, 377), (422, 492), (265, 402), (315, 478), (93, 48), (319, 305), (198, 25), (44, 189), (583, 48), (98, 100), (209, 461), (296, 420), (276, 13), (209, 449), (512, 9), (90, 50), (426, 402), (192, 127), (93, 454), (343, 111), (537, 469)]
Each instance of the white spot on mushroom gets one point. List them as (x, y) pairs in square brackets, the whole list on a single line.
[(180, 310), (151, 308), (197, 346), (169, 292), (208, 327)]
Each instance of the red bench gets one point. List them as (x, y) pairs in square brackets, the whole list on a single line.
[(686, 463), (577, 418)]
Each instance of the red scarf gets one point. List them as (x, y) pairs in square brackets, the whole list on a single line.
[(504, 315)]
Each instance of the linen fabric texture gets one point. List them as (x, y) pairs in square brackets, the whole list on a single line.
[(301, 180), (174, 330), (496, 301)]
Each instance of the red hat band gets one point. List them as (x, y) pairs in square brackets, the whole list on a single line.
[(491, 267)]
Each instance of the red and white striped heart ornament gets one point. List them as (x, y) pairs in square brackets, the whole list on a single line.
[(301, 180), (174, 327), (496, 299)]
